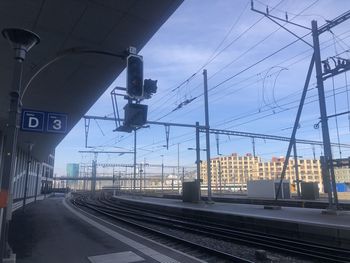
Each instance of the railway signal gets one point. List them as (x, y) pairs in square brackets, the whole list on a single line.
[(134, 79)]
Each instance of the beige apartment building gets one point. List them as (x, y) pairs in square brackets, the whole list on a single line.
[(236, 170)]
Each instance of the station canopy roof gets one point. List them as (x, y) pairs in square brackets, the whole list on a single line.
[(72, 84)]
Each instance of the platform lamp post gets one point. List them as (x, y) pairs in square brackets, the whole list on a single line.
[(21, 41)]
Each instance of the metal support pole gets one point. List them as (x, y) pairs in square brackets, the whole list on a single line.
[(37, 181), (27, 175), (183, 174), (218, 152), (140, 172), (314, 152), (144, 175), (198, 154), (113, 182), (253, 142), (43, 172), (46, 184), (296, 168), (162, 175), (220, 176), (134, 177), (296, 124), (93, 181), (120, 182), (178, 166), (329, 169), (207, 134), (10, 152)]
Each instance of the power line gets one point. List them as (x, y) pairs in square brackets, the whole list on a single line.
[(225, 48), (251, 48), (281, 64)]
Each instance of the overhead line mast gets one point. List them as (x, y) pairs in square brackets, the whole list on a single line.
[(329, 175)]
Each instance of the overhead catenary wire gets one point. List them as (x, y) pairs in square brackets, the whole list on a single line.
[(248, 51), (315, 100), (257, 111), (211, 58), (220, 52), (276, 65), (259, 117), (336, 118), (240, 72), (307, 102), (294, 107)]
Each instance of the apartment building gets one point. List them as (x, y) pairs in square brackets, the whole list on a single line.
[(237, 170)]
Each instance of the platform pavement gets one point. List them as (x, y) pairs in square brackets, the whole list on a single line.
[(288, 214), (305, 224), (47, 231)]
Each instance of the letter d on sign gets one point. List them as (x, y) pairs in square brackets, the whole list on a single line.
[(33, 122)]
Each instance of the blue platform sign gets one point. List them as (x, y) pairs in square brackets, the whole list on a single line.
[(42, 121), (33, 121), (56, 122)]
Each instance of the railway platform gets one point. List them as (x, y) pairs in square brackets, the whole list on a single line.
[(52, 230), (307, 224)]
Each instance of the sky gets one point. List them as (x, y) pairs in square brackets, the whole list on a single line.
[(255, 80)]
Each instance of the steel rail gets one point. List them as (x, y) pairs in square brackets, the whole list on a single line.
[(290, 246), (196, 246)]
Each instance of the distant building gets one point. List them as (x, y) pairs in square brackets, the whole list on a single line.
[(236, 170), (73, 170), (342, 174)]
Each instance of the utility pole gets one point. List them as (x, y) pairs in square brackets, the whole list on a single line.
[(207, 134)]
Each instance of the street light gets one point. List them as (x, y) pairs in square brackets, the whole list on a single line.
[(21, 41)]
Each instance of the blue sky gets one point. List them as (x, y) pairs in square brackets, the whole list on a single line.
[(226, 37)]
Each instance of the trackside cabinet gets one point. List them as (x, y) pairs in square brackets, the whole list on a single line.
[(268, 189), (191, 191)]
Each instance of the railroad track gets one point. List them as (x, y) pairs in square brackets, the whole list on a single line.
[(202, 252), (292, 247)]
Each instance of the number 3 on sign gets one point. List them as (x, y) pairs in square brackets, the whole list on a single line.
[(57, 124)]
